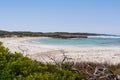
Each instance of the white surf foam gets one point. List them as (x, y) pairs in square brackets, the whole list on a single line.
[(103, 36)]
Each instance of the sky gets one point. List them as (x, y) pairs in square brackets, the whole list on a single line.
[(92, 16)]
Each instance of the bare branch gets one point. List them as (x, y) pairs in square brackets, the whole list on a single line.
[(24, 50)]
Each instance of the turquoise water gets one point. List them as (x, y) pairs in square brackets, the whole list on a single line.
[(81, 41)]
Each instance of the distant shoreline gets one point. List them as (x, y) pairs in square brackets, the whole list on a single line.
[(62, 35)]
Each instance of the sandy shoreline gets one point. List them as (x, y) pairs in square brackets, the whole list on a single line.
[(76, 53)]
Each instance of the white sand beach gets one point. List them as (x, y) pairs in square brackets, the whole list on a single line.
[(41, 52)]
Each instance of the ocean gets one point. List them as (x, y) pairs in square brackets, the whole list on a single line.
[(90, 41)]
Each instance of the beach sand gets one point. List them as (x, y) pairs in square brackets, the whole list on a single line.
[(42, 52)]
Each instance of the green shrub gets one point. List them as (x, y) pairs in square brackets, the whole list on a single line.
[(14, 66)]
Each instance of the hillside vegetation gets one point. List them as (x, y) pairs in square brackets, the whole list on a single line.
[(63, 35)]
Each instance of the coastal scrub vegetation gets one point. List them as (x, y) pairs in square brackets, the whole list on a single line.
[(15, 66), (62, 35)]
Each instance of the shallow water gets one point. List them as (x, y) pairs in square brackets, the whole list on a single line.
[(98, 41)]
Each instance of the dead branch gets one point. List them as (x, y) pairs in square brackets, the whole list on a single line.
[(61, 62), (102, 73), (23, 50)]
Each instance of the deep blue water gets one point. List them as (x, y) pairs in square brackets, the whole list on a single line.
[(100, 41)]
